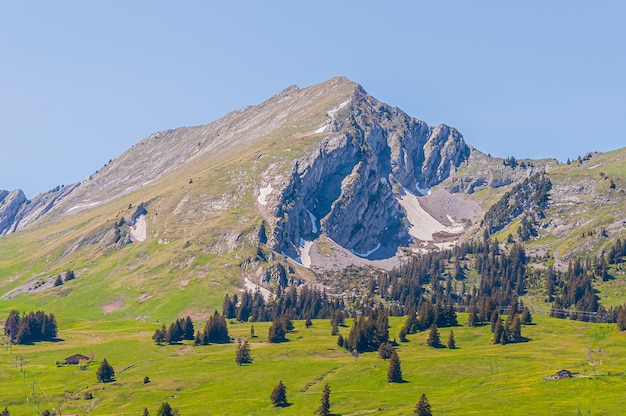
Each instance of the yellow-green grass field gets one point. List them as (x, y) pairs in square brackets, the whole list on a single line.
[(478, 378)]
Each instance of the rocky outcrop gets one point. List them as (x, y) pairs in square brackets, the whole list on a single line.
[(348, 186), (17, 212), (10, 204)]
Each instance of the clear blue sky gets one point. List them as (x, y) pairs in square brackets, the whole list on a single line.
[(81, 81)]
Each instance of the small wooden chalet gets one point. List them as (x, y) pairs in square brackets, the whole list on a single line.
[(564, 374), (76, 359)]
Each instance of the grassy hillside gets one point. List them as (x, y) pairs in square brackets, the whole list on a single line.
[(477, 378)]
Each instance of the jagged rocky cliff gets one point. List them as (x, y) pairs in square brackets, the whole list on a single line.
[(17, 212), (349, 186)]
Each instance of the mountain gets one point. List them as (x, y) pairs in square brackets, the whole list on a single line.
[(311, 180)]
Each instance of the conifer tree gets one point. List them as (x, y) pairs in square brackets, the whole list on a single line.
[(5, 412), (279, 395), (527, 318), (165, 410), (423, 407), (433, 337), (402, 335), (252, 331), (324, 409), (494, 317), (174, 333), (308, 323), (451, 341), (105, 372), (146, 412), (394, 373), (498, 332), (159, 335), (516, 329), (340, 341), (188, 329), (277, 332), (242, 353)]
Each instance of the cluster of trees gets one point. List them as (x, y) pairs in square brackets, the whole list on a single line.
[(529, 196), (440, 316), (30, 327), (215, 331), (279, 328), (164, 410), (572, 293), (617, 252), (368, 332), (298, 304), (511, 331), (181, 329), (69, 275)]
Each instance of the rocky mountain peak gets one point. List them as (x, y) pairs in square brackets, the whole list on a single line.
[(350, 185)]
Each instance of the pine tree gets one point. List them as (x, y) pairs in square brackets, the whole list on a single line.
[(159, 335), (174, 333), (340, 341), (279, 395), (423, 407), (527, 318), (105, 372), (146, 412), (308, 323), (451, 341), (385, 350), (402, 335), (242, 353), (165, 410), (394, 373), (494, 317), (324, 409), (498, 332), (252, 331), (433, 337), (277, 332), (188, 330), (5, 412)]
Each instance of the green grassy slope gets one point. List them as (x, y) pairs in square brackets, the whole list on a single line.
[(477, 378)]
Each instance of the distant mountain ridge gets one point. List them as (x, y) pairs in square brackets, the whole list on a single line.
[(326, 176)]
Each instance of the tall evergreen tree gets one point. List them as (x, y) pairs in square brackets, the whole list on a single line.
[(105, 372), (174, 333), (188, 329), (394, 373), (279, 395), (165, 410), (433, 337), (423, 407), (498, 332), (242, 353), (159, 335), (324, 409), (451, 341), (277, 332)]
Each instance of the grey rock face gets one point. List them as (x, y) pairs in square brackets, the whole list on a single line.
[(347, 187), (10, 204), (17, 212)]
